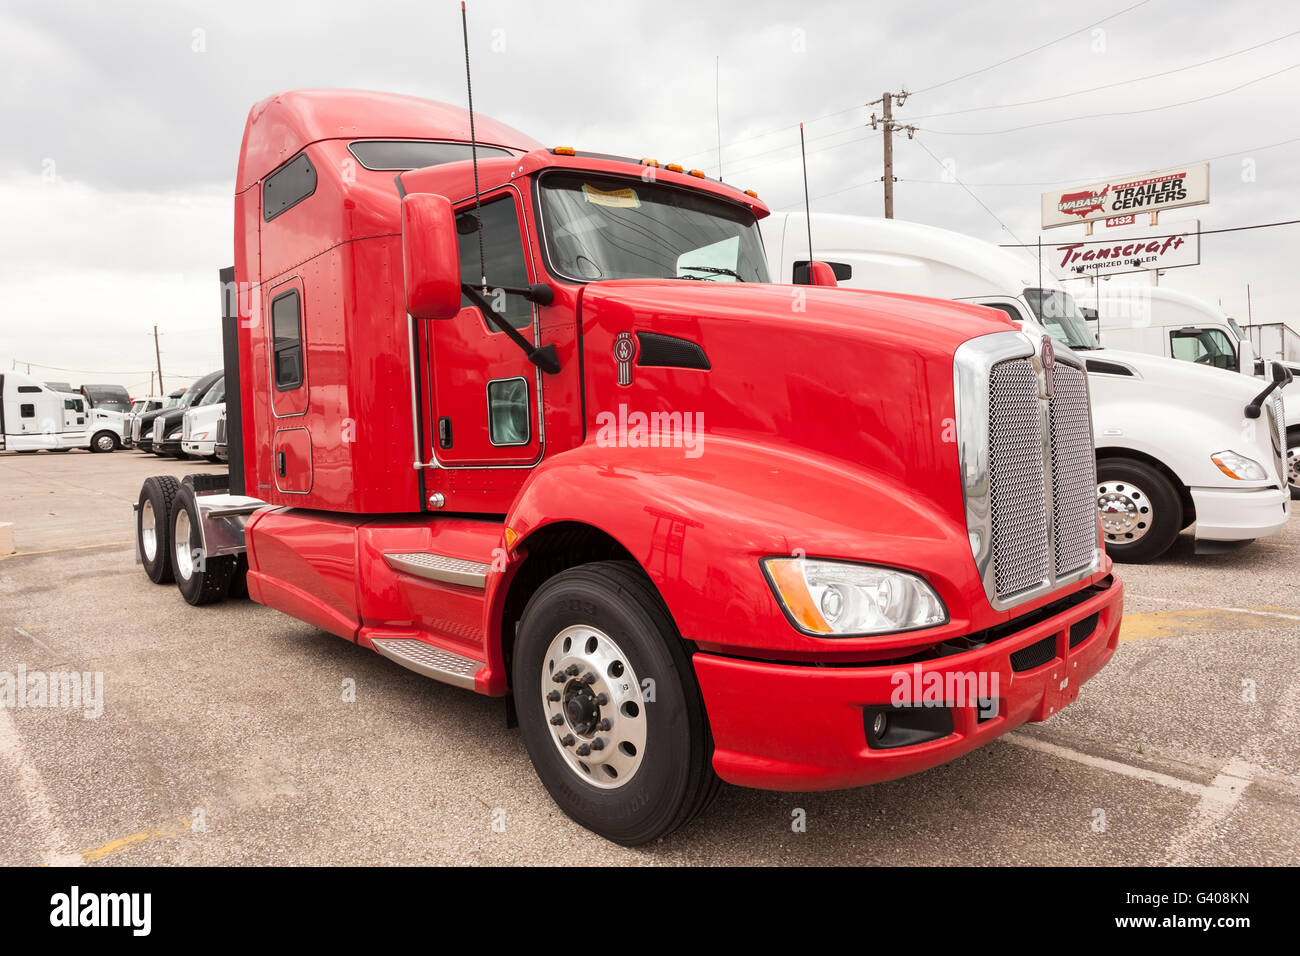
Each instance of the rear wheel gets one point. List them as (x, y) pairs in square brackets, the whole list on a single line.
[(152, 527), (608, 705), (202, 579), (1140, 512), (1293, 461)]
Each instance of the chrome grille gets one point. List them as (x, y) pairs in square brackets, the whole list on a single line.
[(158, 431), (187, 428), (1074, 472), (221, 431), (135, 430), (1275, 401), (1016, 478)]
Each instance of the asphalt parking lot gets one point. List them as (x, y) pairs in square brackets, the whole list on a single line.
[(225, 737)]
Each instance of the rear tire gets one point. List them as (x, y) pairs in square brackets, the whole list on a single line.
[(1140, 510), (608, 621), (201, 579), (153, 527)]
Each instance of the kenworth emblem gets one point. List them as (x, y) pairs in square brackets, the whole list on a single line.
[(624, 352), (1048, 356)]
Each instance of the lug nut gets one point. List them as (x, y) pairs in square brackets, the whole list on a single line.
[(568, 740), (559, 677), (589, 678), (602, 700), (583, 750), (598, 744), (605, 724), (553, 696), (572, 670), (557, 720)]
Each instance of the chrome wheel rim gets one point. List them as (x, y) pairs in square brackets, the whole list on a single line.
[(104, 443), (184, 559), (1126, 511), (148, 531), (593, 707), (1293, 465)]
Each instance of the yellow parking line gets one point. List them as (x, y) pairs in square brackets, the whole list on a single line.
[(1137, 627), (117, 846), (80, 547)]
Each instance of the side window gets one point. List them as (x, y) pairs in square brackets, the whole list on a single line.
[(1204, 347), (503, 258), (286, 341), (27, 411), (287, 186), (843, 271), (508, 411)]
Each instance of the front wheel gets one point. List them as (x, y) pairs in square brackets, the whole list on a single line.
[(103, 441), (1140, 512), (609, 707)]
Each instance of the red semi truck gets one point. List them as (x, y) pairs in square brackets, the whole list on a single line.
[(540, 427)]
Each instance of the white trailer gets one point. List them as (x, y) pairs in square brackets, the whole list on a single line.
[(34, 416), (1176, 445)]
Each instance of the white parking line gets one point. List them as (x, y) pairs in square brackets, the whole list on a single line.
[(1200, 790), (1221, 798), (39, 809)]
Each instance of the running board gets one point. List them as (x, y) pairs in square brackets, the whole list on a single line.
[(429, 660), (439, 567)]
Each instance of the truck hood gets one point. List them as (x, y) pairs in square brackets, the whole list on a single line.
[(1195, 379), (855, 379)]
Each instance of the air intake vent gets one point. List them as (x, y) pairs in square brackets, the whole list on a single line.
[(1108, 368), (1035, 655)]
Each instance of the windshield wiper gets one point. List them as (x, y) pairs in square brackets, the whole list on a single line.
[(716, 270)]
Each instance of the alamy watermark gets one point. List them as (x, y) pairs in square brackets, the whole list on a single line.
[(67, 689), (636, 429)]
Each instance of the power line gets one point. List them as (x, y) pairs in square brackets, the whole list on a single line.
[(1174, 235), (1076, 179), (1075, 119), (1043, 46), (968, 191), (772, 132), (1108, 86), (732, 174)]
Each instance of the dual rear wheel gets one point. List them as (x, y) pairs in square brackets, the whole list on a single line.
[(169, 541)]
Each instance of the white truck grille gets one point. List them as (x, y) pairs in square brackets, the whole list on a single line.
[(1275, 402)]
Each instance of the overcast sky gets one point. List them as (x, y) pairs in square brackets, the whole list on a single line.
[(122, 124)]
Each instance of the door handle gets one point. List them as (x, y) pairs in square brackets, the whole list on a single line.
[(279, 463)]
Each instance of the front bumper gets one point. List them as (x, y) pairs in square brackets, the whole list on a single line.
[(1223, 515), (803, 727), (200, 448)]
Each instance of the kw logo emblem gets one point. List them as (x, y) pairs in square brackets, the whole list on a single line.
[(624, 352)]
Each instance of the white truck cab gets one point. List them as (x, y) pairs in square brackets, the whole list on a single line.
[(1168, 322), (1175, 445), (199, 430), (34, 416)]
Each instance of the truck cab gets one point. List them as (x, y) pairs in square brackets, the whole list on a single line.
[(199, 426), (534, 422), (1172, 451), (34, 416)]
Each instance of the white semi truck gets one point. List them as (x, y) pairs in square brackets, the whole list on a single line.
[(34, 417), (199, 429), (1161, 321), (1175, 444)]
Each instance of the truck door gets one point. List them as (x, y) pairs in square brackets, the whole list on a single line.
[(483, 393), (1204, 346), (74, 415)]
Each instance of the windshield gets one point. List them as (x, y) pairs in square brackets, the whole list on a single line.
[(188, 398), (217, 393), (1061, 317), (598, 227)]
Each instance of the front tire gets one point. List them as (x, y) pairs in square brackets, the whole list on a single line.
[(201, 578), (103, 441), (609, 707), (1140, 510)]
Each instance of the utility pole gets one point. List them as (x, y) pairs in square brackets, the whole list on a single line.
[(885, 122), (157, 354)]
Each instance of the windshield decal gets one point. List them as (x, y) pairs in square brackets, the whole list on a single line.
[(614, 198)]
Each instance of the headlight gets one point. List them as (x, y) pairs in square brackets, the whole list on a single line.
[(199, 437), (1238, 466), (836, 598), (174, 435)]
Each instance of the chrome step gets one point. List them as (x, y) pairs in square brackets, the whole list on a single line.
[(439, 567), (430, 661)]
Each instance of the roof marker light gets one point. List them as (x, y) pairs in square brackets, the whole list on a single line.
[(674, 168), (751, 194), (564, 151), (647, 161), (697, 173)]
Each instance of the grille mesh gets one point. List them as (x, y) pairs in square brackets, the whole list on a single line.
[(1279, 430), (1016, 480), (1074, 479)]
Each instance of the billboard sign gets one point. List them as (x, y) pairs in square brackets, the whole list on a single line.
[(1127, 250), (1128, 196)]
